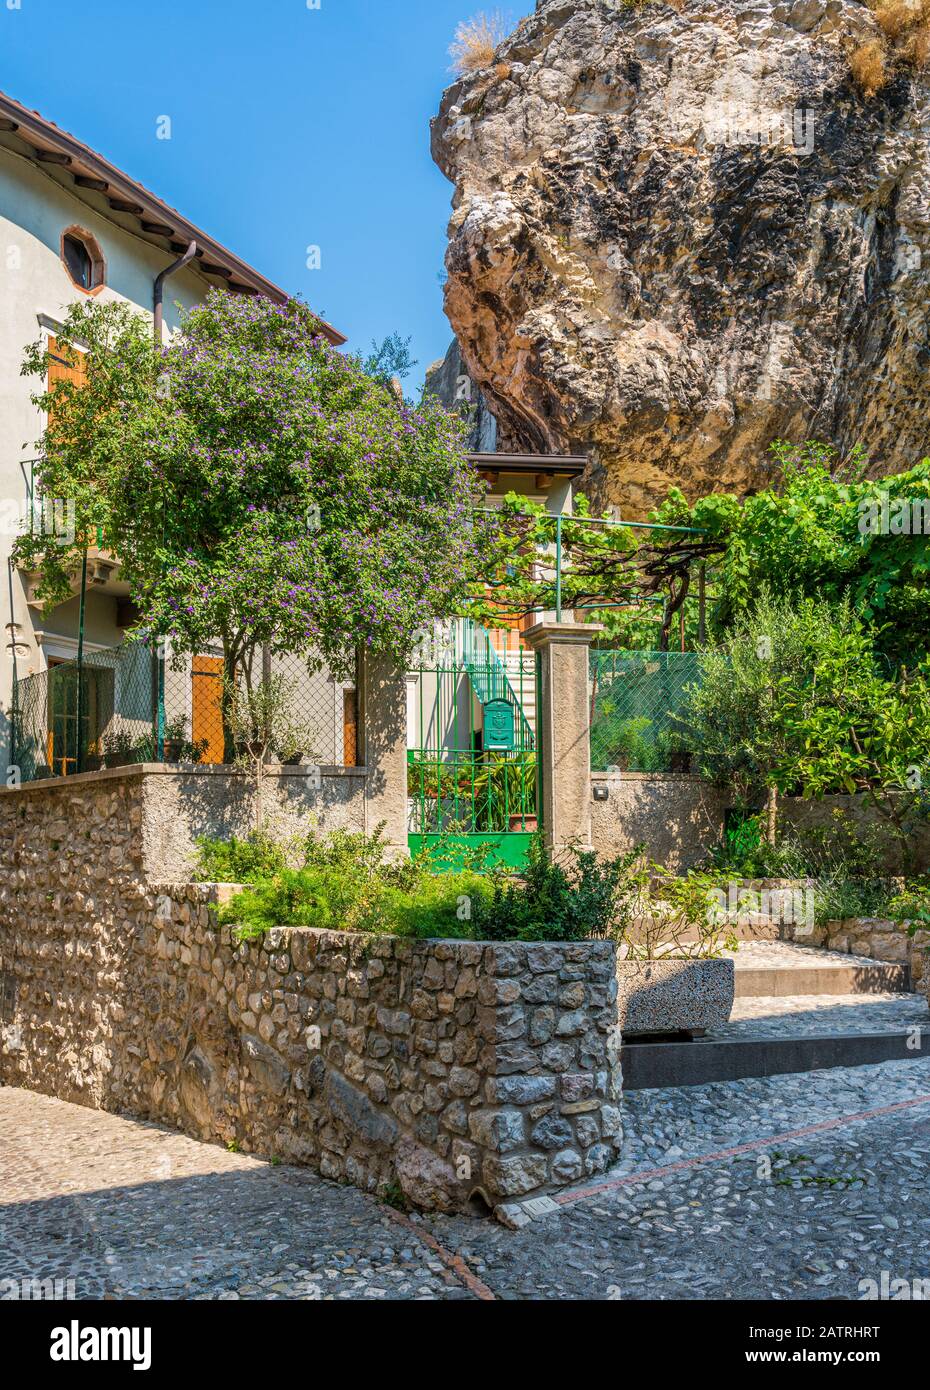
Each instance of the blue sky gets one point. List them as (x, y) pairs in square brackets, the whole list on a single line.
[(291, 127)]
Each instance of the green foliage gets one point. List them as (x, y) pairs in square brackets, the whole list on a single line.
[(912, 905), (733, 719), (437, 905), (796, 702), (845, 859), (257, 485), (839, 897), (308, 897), (675, 917), (744, 851), (256, 857), (357, 855), (840, 849), (633, 745), (588, 898), (823, 531), (259, 715), (346, 883), (390, 358)]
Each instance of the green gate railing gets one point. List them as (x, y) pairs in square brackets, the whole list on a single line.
[(456, 785)]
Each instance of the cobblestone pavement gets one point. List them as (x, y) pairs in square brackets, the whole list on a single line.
[(132, 1210), (809, 1015)]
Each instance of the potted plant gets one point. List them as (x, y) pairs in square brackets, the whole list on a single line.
[(261, 722), (292, 744), (672, 975), (504, 791), (119, 750), (174, 739)]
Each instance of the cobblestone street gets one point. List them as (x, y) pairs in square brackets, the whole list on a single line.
[(130, 1210)]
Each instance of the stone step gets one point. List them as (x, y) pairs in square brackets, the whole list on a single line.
[(773, 1035), (779, 969), (873, 977), (647, 1066)]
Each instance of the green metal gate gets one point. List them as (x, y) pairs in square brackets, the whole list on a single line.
[(472, 752)]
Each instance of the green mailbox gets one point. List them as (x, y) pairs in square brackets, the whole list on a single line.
[(499, 727)]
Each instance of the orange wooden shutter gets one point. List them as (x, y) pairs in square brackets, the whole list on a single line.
[(349, 729), (61, 368), (207, 695)]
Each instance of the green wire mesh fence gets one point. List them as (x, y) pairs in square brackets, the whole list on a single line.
[(127, 705), (636, 699)]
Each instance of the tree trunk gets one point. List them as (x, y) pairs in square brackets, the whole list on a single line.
[(676, 602), (771, 816), (259, 794)]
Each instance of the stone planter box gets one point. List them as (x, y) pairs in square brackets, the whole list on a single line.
[(674, 996)]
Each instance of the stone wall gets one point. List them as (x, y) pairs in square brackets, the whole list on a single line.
[(169, 809), (447, 1068), (876, 938), (678, 818)]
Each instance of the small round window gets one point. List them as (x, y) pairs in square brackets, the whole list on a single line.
[(83, 260)]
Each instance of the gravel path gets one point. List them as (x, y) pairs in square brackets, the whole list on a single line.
[(132, 1210)]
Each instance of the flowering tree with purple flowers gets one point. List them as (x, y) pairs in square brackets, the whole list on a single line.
[(258, 486)]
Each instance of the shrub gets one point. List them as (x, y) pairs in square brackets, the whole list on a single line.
[(867, 64), (905, 26), (588, 898), (676, 917), (840, 898), (346, 884), (894, 17), (476, 41), (239, 861), (438, 905), (840, 849), (912, 905), (309, 897)]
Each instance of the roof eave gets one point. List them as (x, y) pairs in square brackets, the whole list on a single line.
[(556, 465)]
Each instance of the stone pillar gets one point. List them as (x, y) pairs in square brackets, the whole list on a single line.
[(563, 732), (382, 698)]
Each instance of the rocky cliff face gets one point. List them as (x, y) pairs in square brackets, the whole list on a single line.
[(681, 233), (448, 379)]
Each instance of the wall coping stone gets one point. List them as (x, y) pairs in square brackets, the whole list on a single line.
[(621, 776), (138, 770)]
